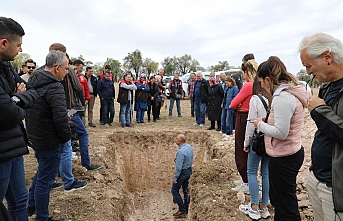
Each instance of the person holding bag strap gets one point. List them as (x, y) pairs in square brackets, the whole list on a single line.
[(257, 208), (282, 135)]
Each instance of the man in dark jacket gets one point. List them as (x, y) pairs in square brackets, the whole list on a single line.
[(15, 97), (92, 85), (106, 93), (200, 99), (176, 93), (48, 129)]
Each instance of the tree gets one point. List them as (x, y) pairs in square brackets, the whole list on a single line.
[(185, 64), (150, 66), (303, 76), (116, 67), (19, 61), (169, 66), (98, 68), (87, 63), (133, 61), (221, 66)]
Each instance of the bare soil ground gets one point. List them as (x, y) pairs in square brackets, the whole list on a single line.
[(135, 182)]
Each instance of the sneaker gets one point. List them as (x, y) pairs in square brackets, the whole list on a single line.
[(244, 187), (74, 156), (76, 185), (264, 213), (91, 125), (201, 125), (56, 186), (247, 210), (238, 182), (195, 124), (107, 125), (51, 219), (31, 210), (180, 214), (94, 167), (128, 125), (123, 125)]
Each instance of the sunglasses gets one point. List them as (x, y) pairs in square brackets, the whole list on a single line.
[(31, 67)]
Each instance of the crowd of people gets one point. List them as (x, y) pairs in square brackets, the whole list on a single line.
[(45, 108)]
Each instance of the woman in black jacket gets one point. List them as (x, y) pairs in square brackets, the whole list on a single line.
[(153, 101), (215, 98)]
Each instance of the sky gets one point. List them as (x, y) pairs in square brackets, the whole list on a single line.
[(208, 30)]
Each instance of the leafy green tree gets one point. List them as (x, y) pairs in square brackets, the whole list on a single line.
[(19, 61), (169, 66), (221, 66), (150, 66), (186, 64), (87, 63), (98, 68), (116, 66), (133, 61), (303, 76)]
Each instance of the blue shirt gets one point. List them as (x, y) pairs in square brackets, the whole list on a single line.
[(184, 159), (197, 91)]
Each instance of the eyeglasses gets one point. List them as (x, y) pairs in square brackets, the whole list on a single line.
[(31, 67)]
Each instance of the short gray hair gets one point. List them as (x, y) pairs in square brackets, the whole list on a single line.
[(54, 58), (316, 44)]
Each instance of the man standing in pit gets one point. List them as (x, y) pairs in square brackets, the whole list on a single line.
[(183, 171)]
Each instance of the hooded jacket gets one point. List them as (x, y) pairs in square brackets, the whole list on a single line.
[(13, 138), (47, 120), (285, 122)]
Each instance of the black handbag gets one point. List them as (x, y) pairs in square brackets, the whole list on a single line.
[(258, 137)]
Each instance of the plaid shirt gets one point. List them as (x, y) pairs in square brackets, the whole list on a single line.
[(191, 88)]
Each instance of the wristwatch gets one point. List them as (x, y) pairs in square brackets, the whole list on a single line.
[(15, 99)]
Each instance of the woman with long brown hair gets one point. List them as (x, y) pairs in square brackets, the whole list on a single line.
[(283, 135)]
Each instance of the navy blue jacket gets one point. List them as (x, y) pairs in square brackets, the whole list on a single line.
[(106, 89)]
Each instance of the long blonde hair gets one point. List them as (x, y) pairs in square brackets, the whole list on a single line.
[(250, 68)]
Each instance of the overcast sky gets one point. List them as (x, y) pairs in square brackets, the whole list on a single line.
[(208, 30)]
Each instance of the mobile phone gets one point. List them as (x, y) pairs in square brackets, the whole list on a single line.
[(71, 112)]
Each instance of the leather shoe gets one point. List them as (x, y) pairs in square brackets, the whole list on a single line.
[(210, 128), (91, 125)]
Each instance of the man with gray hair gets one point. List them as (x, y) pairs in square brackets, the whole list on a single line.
[(48, 129), (322, 56), (200, 99)]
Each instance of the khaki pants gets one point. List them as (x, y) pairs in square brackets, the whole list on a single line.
[(321, 199), (89, 108)]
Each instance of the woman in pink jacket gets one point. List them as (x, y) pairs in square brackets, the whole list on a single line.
[(283, 135)]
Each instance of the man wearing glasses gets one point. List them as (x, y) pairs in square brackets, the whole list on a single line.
[(31, 66)]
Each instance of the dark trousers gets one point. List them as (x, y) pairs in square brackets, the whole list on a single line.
[(283, 173), (213, 124), (107, 107), (152, 108), (192, 106), (241, 157), (182, 181)]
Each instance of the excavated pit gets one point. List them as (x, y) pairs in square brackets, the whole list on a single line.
[(146, 163)]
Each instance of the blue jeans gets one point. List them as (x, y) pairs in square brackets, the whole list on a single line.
[(39, 195), (171, 106), (125, 113), (66, 166), (182, 181), (227, 120), (253, 163), (107, 106), (140, 115), (83, 138), (13, 186), (200, 111)]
